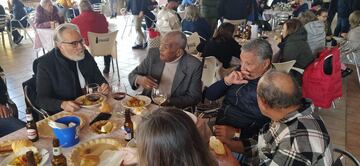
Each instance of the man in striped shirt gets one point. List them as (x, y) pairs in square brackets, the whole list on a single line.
[(295, 136)]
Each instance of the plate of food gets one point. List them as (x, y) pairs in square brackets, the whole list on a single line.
[(45, 131), (18, 157), (91, 100), (104, 126), (88, 153), (138, 101)]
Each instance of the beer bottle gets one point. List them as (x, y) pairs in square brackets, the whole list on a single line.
[(58, 158), (128, 126), (31, 129), (30, 159)]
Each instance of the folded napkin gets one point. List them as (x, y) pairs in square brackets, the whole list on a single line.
[(114, 157)]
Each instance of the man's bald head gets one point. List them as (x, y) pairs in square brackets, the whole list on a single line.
[(278, 90)]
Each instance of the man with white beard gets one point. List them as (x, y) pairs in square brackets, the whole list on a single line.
[(63, 73)]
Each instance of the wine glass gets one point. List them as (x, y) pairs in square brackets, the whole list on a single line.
[(118, 92), (92, 88), (158, 97)]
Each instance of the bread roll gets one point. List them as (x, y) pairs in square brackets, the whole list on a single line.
[(19, 144), (216, 145)]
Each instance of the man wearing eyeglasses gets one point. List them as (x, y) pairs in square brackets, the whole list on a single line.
[(63, 72)]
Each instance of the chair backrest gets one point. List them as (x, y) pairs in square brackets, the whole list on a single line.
[(210, 71), (193, 40), (339, 159), (97, 7), (284, 66), (102, 44), (2, 22)]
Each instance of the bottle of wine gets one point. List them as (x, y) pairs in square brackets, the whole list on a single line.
[(128, 126), (30, 159), (31, 129), (58, 158)]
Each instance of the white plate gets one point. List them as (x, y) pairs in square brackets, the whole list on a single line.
[(103, 98), (146, 99), (192, 116), (44, 158)]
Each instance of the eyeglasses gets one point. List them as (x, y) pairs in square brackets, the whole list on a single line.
[(74, 43)]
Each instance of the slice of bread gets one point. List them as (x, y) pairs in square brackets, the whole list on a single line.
[(216, 145)]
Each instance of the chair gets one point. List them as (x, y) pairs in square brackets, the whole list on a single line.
[(193, 40), (210, 73), (102, 44), (2, 29), (356, 63), (97, 7), (284, 66), (38, 113), (339, 160), (21, 26)]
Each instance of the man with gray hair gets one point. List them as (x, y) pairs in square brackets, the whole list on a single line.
[(295, 136), (240, 109), (171, 70), (63, 73)]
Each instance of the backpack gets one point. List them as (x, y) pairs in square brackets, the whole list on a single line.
[(322, 78)]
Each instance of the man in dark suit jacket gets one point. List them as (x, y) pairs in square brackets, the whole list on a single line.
[(63, 72), (171, 70)]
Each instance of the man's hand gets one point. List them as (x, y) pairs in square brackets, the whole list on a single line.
[(224, 133), (4, 111), (227, 159), (236, 77), (146, 82), (104, 89), (70, 106)]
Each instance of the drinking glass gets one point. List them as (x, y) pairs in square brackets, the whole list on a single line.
[(92, 88), (118, 93), (158, 97)]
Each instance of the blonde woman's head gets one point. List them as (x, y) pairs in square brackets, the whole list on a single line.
[(354, 19), (191, 13)]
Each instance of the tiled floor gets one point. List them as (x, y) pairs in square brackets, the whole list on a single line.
[(341, 122)]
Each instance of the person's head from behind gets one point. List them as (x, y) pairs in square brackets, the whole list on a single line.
[(354, 19), (255, 58), (224, 32), (69, 41), (278, 94), (169, 137), (306, 17), (85, 5), (172, 46), (291, 26), (322, 15), (191, 13), (47, 5)]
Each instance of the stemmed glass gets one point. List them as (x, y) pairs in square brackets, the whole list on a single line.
[(118, 92), (92, 88), (158, 97)]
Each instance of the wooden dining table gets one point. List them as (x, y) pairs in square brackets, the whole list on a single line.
[(86, 134)]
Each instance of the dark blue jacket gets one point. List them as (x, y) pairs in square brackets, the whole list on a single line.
[(239, 98), (136, 6), (342, 7), (18, 11), (200, 26), (303, 8), (236, 9)]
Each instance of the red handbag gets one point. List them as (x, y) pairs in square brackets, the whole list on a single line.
[(320, 86)]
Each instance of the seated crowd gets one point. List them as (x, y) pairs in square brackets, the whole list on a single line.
[(263, 119)]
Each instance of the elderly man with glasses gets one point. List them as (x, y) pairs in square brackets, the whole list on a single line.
[(63, 73), (171, 70)]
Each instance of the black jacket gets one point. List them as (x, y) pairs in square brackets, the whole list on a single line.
[(236, 9), (295, 47), (136, 6), (56, 82), (222, 50)]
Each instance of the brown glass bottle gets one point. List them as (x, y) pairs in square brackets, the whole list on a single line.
[(128, 126), (30, 159), (31, 129), (58, 158)]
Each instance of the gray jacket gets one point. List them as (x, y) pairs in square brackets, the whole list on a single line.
[(315, 36), (186, 88), (351, 45)]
